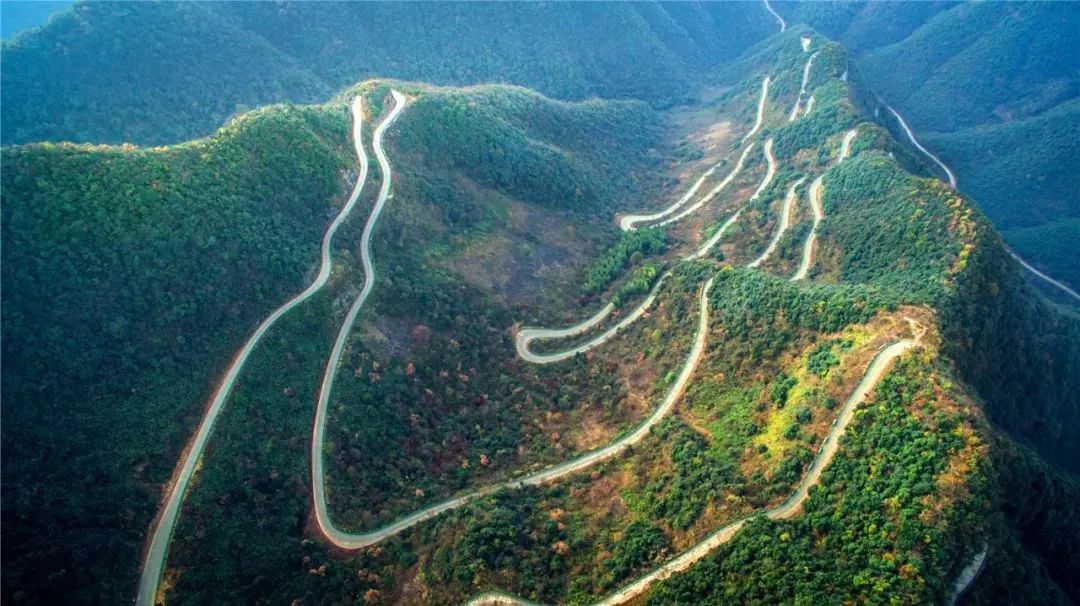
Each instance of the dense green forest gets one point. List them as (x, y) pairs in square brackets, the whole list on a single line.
[(133, 274), (119, 77), (131, 277), (95, 247)]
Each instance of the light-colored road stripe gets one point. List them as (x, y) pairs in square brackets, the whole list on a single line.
[(161, 532)]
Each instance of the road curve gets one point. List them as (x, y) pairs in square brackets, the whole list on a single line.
[(760, 110), (967, 575), (358, 540), (785, 222), (318, 480), (161, 533), (802, 89), (526, 336), (926, 152), (783, 24), (770, 172), (952, 182), (1050, 280), (785, 510), (808, 246), (627, 222), (816, 189)]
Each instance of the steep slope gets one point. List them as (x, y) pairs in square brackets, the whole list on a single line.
[(987, 88), (133, 275), (155, 73), (739, 437)]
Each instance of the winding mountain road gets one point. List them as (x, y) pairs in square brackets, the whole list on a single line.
[(789, 508), (357, 540), (968, 575), (783, 24), (952, 183), (161, 533), (926, 152), (628, 222), (816, 189), (322, 515), (1064, 288), (760, 109), (526, 336), (712, 193), (770, 172), (785, 223)]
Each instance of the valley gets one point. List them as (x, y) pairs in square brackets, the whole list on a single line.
[(719, 337)]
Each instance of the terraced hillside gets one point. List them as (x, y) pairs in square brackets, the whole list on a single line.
[(745, 350)]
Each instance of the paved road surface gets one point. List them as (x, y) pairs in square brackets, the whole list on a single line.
[(785, 510), (783, 24), (161, 533), (770, 172), (785, 222), (816, 189), (357, 540), (915, 142), (322, 516)]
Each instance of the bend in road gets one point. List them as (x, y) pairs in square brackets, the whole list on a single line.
[(802, 89), (952, 183), (358, 540), (783, 24), (967, 575), (785, 222), (787, 509), (712, 193), (926, 152), (322, 515), (1064, 288), (161, 533), (526, 336), (816, 189), (628, 222)]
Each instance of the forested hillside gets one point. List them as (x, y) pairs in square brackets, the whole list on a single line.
[(990, 89), (132, 276), (154, 73), (812, 373)]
